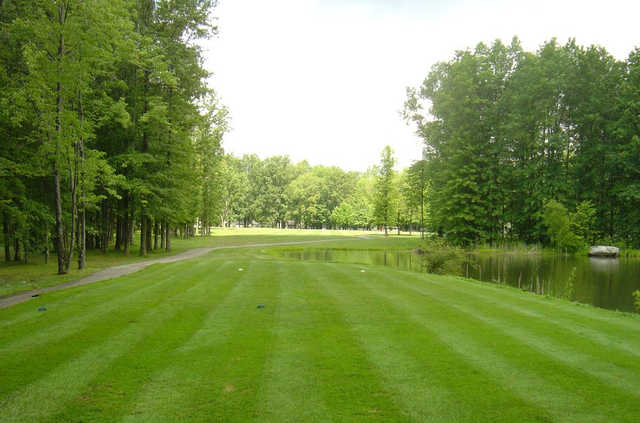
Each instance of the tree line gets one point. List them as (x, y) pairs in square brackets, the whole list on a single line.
[(107, 125), (276, 192), (511, 135)]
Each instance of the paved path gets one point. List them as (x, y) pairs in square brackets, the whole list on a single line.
[(125, 269)]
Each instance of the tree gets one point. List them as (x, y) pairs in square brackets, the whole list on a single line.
[(99, 102), (66, 48), (558, 226), (417, 190), (214, 175), (583, 220), (508, 129), (384, 189), (269, 181)]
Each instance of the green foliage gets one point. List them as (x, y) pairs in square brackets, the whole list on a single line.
[(416, 192), (557, 221), (636, 296), (384, 189), (506, 130), (276, 192), (99, 105), (583, 220), (441, 258)]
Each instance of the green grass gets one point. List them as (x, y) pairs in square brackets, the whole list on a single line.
[(185, 342), (16, 277)]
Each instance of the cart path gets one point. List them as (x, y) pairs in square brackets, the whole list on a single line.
[(125, 269)]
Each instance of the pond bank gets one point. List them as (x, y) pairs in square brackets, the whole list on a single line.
[(606, 283)]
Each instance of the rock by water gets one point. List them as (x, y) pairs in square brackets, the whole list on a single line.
[(604, 251)]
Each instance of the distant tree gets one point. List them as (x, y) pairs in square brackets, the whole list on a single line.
[(417, 190), (269, 190), (212, 171), (234, 187), (384, 189), (343, 216), (304, 201)]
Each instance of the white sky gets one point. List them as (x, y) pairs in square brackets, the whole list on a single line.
[(324, 80)]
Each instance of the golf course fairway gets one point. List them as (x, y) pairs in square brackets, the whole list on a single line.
[(242, 335)]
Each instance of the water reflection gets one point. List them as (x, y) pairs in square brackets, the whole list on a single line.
[(606, 283)]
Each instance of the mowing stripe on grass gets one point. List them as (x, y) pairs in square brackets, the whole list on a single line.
[(290, 387), (556, 306), (89, 306), (186, 342), (333, 371), (432, 381), (347, 379), (94, 352), (113, 392), (610, 327), (563, 390), (597, 330), (215, 374), (611, 365), (20, 369), (21, 317)]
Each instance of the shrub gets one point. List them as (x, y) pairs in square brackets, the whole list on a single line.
[(558, 224), (636, 296), (441, 258)]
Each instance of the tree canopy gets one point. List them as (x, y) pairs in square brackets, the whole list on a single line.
[(506, 131), (105, 124)]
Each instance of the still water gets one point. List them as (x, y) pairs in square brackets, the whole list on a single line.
[(606, 283)]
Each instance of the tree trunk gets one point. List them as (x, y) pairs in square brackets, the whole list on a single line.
[(105, 226), (118, 232), (143, 234), (148, 234), (6, 237), (132, 226), (162, 235), (167, 237), (156, 229), (16, 249), (46, 244), (126, 239), (74, 213), (59, 229), (422, 201), (82, 239), (60, 250)]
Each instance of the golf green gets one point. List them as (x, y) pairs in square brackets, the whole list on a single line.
[(187, 341)]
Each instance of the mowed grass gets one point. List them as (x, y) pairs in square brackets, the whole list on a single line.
[(18, 277), (186, 342)]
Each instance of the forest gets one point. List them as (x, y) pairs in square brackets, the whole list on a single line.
[(514, 138), (275, 192), (107, 122), (112, 138)]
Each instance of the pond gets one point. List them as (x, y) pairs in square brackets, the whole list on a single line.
[(606, 283)]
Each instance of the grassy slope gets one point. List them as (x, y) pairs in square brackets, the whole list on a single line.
[(185, 342), (17, 277)]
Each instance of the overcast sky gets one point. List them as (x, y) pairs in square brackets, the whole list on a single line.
[(324, 80)]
